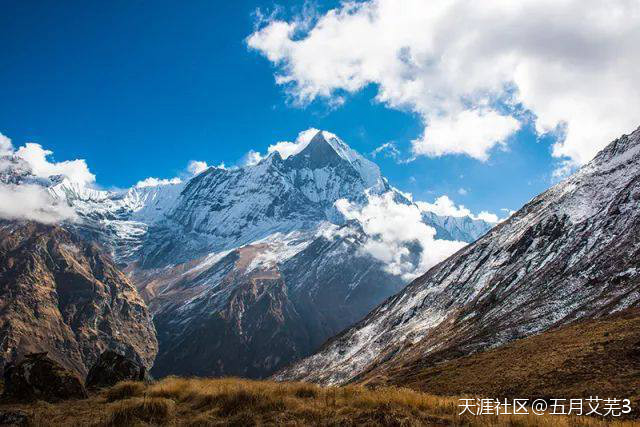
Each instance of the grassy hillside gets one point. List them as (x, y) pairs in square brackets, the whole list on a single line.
[(591, 358), (202, 402)]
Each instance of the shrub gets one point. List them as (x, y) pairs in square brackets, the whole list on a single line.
[(125, 390), (151, 410)]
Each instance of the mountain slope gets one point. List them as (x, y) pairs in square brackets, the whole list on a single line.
[(59, 294), (591, 357), (571, 253), (250, 313)]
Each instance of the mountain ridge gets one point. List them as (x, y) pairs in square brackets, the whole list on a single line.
[(248, 269), (548, 264)]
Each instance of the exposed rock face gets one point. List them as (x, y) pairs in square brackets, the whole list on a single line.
[(571, 253), (249, 313), (38, 377), (112, 368), (61, 295)]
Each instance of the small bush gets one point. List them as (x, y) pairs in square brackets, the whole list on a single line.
[(151, 410), (125, 390), (305, 392), (236, 401)]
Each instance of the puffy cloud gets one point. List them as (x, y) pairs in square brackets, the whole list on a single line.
[(196, 166), (471, 132), (469, 69), (444, 206), (32, 202), (251, 158), (37, 159), (155, 182), (287, 148), (488, 217), (462, 191), (6, 147), (394, 230)]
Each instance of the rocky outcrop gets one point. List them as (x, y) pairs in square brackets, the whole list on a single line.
[(13, 417), (37, 377), (112, 368), (61, 295)]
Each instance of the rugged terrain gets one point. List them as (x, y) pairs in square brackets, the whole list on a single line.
[(61, 295), (571, 253), (247, 269)]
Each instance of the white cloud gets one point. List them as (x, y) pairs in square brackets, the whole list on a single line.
[(444, 206), (6, 147), (37, 158), (462, 191), (471, 132), (32, 202), (388, 149), (194, 167), (465, 67), (488, 217), (288, 148), (285, 148), (155, 182), (393, 229), (251, 158), (197, 166)]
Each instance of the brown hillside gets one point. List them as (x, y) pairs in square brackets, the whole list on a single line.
[(590, 358)]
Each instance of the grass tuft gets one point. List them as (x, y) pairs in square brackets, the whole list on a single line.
[(125, 390), (146, 409)]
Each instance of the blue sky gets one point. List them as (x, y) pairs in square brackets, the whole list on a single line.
[(140, 89)]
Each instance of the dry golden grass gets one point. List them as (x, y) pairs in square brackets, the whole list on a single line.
[(124, 390), (597, 357), (207, 402)]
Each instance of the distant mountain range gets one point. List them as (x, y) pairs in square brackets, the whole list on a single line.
[(246, 270), (572, 253)]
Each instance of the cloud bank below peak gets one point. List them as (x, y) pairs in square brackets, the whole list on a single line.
[(472, 70), (394, 230), (444, 206), (29, 201)]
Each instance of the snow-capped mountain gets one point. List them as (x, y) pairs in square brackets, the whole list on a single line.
[(571, 253), (248, 269), (221, 209)]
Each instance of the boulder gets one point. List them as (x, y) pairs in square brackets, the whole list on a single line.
[(112, 368), (13, 417), (38, 377)]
